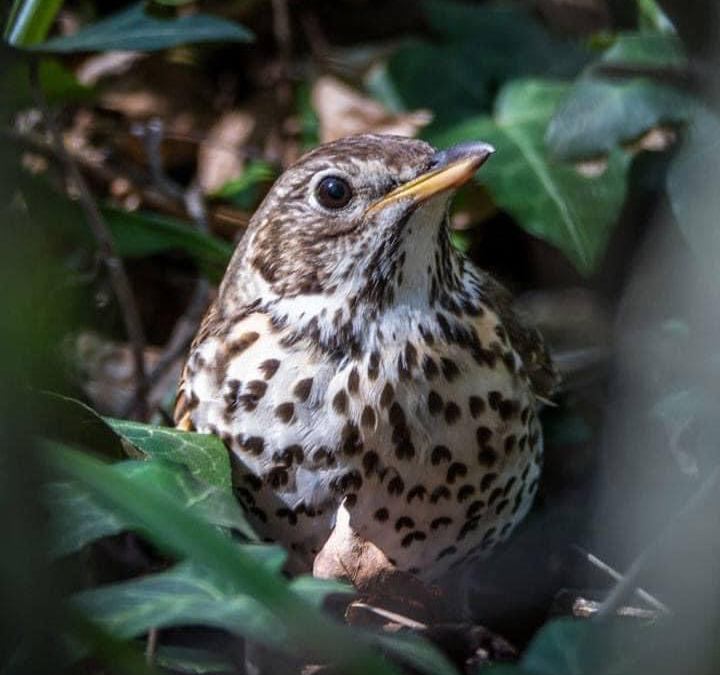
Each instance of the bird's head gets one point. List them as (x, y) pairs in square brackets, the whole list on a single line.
[(362, 219)]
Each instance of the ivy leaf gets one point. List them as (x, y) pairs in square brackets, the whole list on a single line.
[(135, 29), (205, 455), (78, 518), (600, 113), (550, 200)]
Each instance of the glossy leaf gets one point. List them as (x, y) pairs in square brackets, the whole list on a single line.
[(187, 594), (205, 455), (78, 518), (601, 113), (135, 29), (177, 530), (550, 200), (192, 661)]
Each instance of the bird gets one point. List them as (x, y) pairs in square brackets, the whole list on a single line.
[(353, 357)]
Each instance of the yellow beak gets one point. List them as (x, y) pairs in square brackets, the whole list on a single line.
[(456, 173)]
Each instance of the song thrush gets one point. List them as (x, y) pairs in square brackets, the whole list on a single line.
[(352, 354)]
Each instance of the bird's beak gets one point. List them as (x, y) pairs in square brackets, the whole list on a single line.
[(449, 169)]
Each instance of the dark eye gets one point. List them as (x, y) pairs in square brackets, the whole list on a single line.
[(333, 192)]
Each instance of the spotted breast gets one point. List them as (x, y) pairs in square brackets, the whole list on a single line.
[(353, 356)]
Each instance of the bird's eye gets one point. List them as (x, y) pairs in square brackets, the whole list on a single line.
[(333, 192)]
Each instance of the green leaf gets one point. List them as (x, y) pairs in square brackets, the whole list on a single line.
[(648, 49), (480, 47), (205, 455), (245, 190), (175, 529), (550, 200), (192, 661), (187, 594), (78, 518), (30, 21), (139, 234), (135, 29), (601, 114), (651, 17)]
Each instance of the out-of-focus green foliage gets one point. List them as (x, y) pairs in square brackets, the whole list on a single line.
[(136, 28)]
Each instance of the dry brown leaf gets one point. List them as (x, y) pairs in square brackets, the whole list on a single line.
[(342, 111), (220, 158)]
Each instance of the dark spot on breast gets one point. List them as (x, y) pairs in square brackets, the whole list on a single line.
[(454, 470), (408, 539), (501, 507), (509, 443), (430, 368), (465, 492), (418, 492), (449, 369), (370, 462), (285, 411), (477, 406), (353, 383), (396, 416), (339, 402), (450, 550), (396, 486), (474, 509), (242, 343), (483, 435), (373, 366), (487, 457), (387, 395), (495, 495), (410, 355), (302, 389), (252, 444), (440, 492), (277, 477), (435, 403), (405, 449), (487, 480), (381, 514), (440, 454), (350, 439), (367, 418), (404, 521), (269, 367), (442, 521), (253, 481), (452, 412)]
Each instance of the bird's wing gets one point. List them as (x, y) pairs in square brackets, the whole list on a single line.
[(526, 341), (181, 411)]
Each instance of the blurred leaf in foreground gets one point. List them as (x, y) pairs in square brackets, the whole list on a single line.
[(550, 200), (135, 29)]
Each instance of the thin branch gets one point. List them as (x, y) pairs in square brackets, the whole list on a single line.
[(104, 239), (186, 326), (615, 575)]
